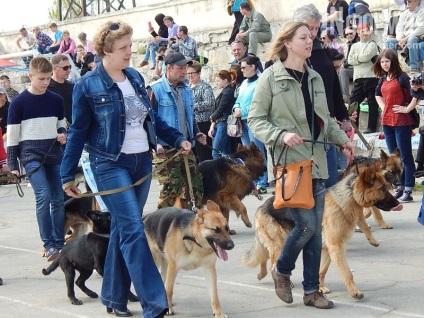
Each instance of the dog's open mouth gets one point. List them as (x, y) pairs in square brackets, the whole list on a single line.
[(219, 251)]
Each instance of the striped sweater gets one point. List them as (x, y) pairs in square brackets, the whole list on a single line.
[(33, 123)]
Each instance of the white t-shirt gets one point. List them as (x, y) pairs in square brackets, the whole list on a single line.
[(29, 40), (135, 140)]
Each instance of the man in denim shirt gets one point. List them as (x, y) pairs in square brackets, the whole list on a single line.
[(173, 100)]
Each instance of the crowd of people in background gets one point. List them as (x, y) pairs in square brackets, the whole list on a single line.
[(334, 52)]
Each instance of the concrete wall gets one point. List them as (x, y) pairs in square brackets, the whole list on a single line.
[(207, 21)]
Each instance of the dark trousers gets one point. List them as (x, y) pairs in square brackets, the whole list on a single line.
[(239, 18), (365, 88), (203, 152)]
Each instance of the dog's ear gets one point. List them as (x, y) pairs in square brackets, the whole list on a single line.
[(200, 215), (240, 147), (383, 156), (92, 214), (368, 174), (212, 206), (252, 146), (396, 152)]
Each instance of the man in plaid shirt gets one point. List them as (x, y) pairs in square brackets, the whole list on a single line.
[(43, 40)]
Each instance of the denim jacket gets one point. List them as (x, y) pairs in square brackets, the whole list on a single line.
[(167, 107), (98, 120)]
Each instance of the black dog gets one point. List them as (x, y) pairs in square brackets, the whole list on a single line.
[(84, 254)]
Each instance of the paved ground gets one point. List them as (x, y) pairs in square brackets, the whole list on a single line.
[(391, 276)]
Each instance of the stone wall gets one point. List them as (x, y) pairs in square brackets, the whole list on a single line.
[(207, 21)]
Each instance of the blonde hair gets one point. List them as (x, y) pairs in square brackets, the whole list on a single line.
[(287, 32), (40, 64), (108, 34)]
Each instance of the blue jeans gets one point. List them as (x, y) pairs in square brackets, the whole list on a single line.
[(49, 198), (400, 137), (332, 166), (221, 141), (42, 49), (306, 236), (128, 257), (151, 50), (414, 49), (262, 181)]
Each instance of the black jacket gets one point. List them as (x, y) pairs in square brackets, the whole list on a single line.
[(320, 61), (224, 104)]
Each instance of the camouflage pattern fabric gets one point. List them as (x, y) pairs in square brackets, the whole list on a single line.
[(173, 178)]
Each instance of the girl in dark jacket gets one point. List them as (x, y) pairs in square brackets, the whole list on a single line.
[(223, 107)]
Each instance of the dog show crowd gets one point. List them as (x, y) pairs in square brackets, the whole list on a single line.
[(297, 106)]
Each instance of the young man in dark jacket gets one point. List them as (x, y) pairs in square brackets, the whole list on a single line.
[(321, 62)]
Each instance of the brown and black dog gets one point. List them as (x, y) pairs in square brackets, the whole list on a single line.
[(227, 180), (85, 254), (181, 239), (390, 166), (344, 204)]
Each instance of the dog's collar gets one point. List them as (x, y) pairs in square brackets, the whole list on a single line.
[(191, 238)]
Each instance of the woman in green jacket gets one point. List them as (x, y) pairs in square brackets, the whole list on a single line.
[(290, 104)]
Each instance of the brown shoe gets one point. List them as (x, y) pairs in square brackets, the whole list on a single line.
[(318, 300), (144, 63), (282, 287)]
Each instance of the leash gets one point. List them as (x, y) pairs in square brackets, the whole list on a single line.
[(190, 185), (122, 189), (10, 177)]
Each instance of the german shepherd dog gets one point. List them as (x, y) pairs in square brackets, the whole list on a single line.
[(391, 167), (344, 204), (180, 239), (84, 254), (227, 180)]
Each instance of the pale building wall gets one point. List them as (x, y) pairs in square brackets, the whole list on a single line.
[(207, 21)]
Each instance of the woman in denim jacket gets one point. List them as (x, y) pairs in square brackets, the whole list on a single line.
[(114, 122)]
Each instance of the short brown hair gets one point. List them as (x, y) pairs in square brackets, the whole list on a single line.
[(53, 25), (40, 64), (196, 65), (108, 33), (59, 58)]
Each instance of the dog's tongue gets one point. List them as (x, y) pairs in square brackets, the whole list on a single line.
[(398, 208), (222, 254)]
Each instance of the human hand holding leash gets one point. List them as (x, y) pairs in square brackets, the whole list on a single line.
[(72, 190), (201, 137), (61, 138), (186, 146), (292, 139)]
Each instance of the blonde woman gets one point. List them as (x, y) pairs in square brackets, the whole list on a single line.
[(112, 112), (290, 104)]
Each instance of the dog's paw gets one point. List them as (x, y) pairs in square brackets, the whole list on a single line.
[(374, 243), (76, 302), (92, 294), (386, 226), (233, 232), (357, 294), (220, 315), (325, 290), (261, 275), (170, 312)]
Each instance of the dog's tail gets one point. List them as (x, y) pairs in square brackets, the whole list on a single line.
[(258, 254), (51, 268)]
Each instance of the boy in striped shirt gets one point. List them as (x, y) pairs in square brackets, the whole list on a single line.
[(36, 131)]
